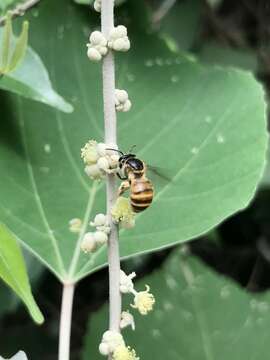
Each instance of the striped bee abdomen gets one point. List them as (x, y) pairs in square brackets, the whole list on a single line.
[(141, 194)]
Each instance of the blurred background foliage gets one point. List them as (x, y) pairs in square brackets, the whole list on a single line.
[(217, 285)]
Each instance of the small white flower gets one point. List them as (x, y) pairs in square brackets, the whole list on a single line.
[(89, 152), (97, 38), (97, 46), (143, 301), (122, 213), (93, 54), (100, 237), (124, 352), (102, 149), (118, 39), (103, 164), (94, 172), (75, 225), (114, 161), (100, 219), (127, 319), (126, 283), (88, 243), (110, 341), (122, 102), (97, 5)]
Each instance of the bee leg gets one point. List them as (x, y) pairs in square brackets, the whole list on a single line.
[(123, 187), (121, 177)]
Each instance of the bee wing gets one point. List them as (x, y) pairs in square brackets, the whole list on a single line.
[(160, 174)]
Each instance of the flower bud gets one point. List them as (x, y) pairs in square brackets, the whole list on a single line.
[(93, 54), (89, 152), (100, 219), (97, 38), (127, 106), (126, 283), (127, 319), (101, 149), (93, 171), (100, 237), (97, 5), (103, 163), (110, 341), (88, 243), (75, 225)]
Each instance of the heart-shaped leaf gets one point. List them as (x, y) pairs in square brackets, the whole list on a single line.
[(13, 271), (198, 315), (205, 124)]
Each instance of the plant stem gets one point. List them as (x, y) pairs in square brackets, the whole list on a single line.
[(163, 10), (65, 321), (107, 23)]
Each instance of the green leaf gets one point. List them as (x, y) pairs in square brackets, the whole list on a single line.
[(9, 300), (6, 43), (206, 125), (181, 24), (13, 272), (31, 79), (198, 315), (6, 3), (20, 48), (213, 53)]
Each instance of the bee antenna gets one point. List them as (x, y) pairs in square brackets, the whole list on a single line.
[(116, 150), (132, 148)]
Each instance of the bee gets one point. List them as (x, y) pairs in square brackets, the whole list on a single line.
[(133, 174)]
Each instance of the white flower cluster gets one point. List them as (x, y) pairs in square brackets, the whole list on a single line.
[(112, 343), (97, 46), (122, 102), (118, 39), (92, 240), (143, 300), (99, 160)]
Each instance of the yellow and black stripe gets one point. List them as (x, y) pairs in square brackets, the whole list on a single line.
[(141, 194)]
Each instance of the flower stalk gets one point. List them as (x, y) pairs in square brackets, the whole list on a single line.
[(108, 72)]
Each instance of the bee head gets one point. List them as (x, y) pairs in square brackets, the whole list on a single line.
[(124, 158)]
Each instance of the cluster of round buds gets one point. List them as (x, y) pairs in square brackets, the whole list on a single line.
[(113, 344), (122, 213), (97, 46), (97, 5), (143, 300), (118, 39), (99, 160), (92, 240), (122, 102)]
